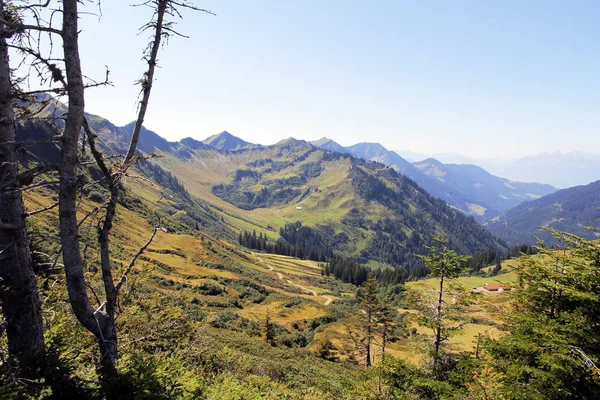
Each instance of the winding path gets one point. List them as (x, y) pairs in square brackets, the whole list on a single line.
[(328, 299)]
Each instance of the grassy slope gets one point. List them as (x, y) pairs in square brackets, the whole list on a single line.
[(176, 265)]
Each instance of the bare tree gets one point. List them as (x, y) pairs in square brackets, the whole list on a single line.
[(65, 77), (444, 264), (100, 321), (18, 286)]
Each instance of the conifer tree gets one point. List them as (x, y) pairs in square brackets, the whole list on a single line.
[(553, 350), (269, 330), (444, 264), (370, 308), (386, 324)]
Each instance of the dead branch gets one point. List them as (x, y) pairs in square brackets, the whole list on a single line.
[(123, 278), (91, 288), (26, 178), (39, 184), (41, 210)]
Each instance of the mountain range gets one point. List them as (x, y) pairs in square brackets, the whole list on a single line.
[(575, 210), (469, 188), (352, 194), (559, 169), (354, 206)]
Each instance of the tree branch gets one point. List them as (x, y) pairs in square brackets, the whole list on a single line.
[(123, 278), (41, 210), (26, 178)]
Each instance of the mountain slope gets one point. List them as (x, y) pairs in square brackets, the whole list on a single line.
[(466, 187), (328, 144), (567, 210), (365, 208), (376, 152)]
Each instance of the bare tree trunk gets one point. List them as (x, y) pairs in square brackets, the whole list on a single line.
[(369, 336), (18, 286), (96, 321), (438, 326), (113, 179), (383, 343), (148, 78)]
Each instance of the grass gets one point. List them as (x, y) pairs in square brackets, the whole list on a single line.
[(467, 281), (281, 314)]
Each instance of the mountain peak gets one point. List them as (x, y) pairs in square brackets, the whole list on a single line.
[(322, 141), (291, 141), (430, 161), (227, 141), (328, 144)]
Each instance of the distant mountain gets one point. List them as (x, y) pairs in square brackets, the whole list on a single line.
[(567, 210), (562, 170), (226, 141), (362, 208), (356, 207), (469, 188), (478, 188)]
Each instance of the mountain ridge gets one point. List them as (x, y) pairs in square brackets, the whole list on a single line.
[(569, 210), (461, 191)]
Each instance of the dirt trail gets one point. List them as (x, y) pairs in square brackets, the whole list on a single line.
[(328, 299)]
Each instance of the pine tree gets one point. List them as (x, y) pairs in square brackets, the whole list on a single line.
[(386, 324), (269, 330), (370, 307), (554, 347), (443, 264)]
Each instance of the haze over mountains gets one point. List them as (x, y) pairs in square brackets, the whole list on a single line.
[(558, 169)]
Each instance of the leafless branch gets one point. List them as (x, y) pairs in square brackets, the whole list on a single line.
[(41, 210), (123, 278), (26, 178)]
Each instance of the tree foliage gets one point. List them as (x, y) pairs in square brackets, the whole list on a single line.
[(553, 348)]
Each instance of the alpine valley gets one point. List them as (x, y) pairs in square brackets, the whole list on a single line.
[(269, 260)]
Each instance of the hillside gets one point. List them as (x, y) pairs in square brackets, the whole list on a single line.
[(196, 304), (568, 210), (373, 212), (466, 187)]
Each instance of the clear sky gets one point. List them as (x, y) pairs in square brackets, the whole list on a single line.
[(482, 78)]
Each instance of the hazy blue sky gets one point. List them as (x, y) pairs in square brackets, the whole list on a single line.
[(484, 78)]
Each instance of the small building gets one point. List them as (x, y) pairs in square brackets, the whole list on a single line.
[(298, 208), (493, 287)]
